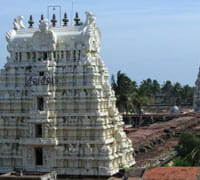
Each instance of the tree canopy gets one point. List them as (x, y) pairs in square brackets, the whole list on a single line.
[(131, 97)]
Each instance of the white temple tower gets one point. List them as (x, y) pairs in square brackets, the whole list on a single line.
[(196, 104), (57, 108)]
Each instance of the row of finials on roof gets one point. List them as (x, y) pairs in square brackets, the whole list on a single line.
[(54, 20)]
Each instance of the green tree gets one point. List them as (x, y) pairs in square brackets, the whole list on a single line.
[(167, 90), (187, 142), (181, 162), (187, 95), (155, 88), (131, 98), (143, 96), (124, 89), (189, 148), (152, 87), (176, 93)]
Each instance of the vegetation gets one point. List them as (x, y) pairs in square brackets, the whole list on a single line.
[(181, 162), (189, 150), (131, 97)]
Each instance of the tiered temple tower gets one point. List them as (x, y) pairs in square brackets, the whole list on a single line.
[(57, 108), (196, 104)]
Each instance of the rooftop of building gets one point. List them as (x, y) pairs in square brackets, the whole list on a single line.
[(172, 173), (29, 176), (48, 35)]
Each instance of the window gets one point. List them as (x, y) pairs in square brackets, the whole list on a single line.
[(38, 156), (62, 54), (28, 68), (28, 55), (67, 55), (20, 56), (41, 73), (38, 130), (45, 55), (16, 56), (40, 103), (58, 55), (74, 55), (33, 55), (79, 55)]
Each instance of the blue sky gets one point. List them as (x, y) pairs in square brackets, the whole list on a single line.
[(158, 39)]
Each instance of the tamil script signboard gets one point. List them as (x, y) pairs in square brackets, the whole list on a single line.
[(39, 80)]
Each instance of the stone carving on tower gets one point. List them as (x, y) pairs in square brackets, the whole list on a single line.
[(57, 108), (45, 38)]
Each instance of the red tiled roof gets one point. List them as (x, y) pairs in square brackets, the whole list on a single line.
[(130, 178), (144, 134), (172, 173)]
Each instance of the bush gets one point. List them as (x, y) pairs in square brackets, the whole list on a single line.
[(187, 143), (189, 150), (181, 162)]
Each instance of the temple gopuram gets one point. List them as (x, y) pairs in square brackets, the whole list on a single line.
[(57, 108)]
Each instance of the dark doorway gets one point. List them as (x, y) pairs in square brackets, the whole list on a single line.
[(38, 130), (40, 103), (38, 156), (45, 56)]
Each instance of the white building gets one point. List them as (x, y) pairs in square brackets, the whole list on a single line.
[(57, 108)]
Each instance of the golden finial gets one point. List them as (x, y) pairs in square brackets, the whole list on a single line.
[(77, 19), (54, 21), (65, 19), (41, 17), (31, 22)]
